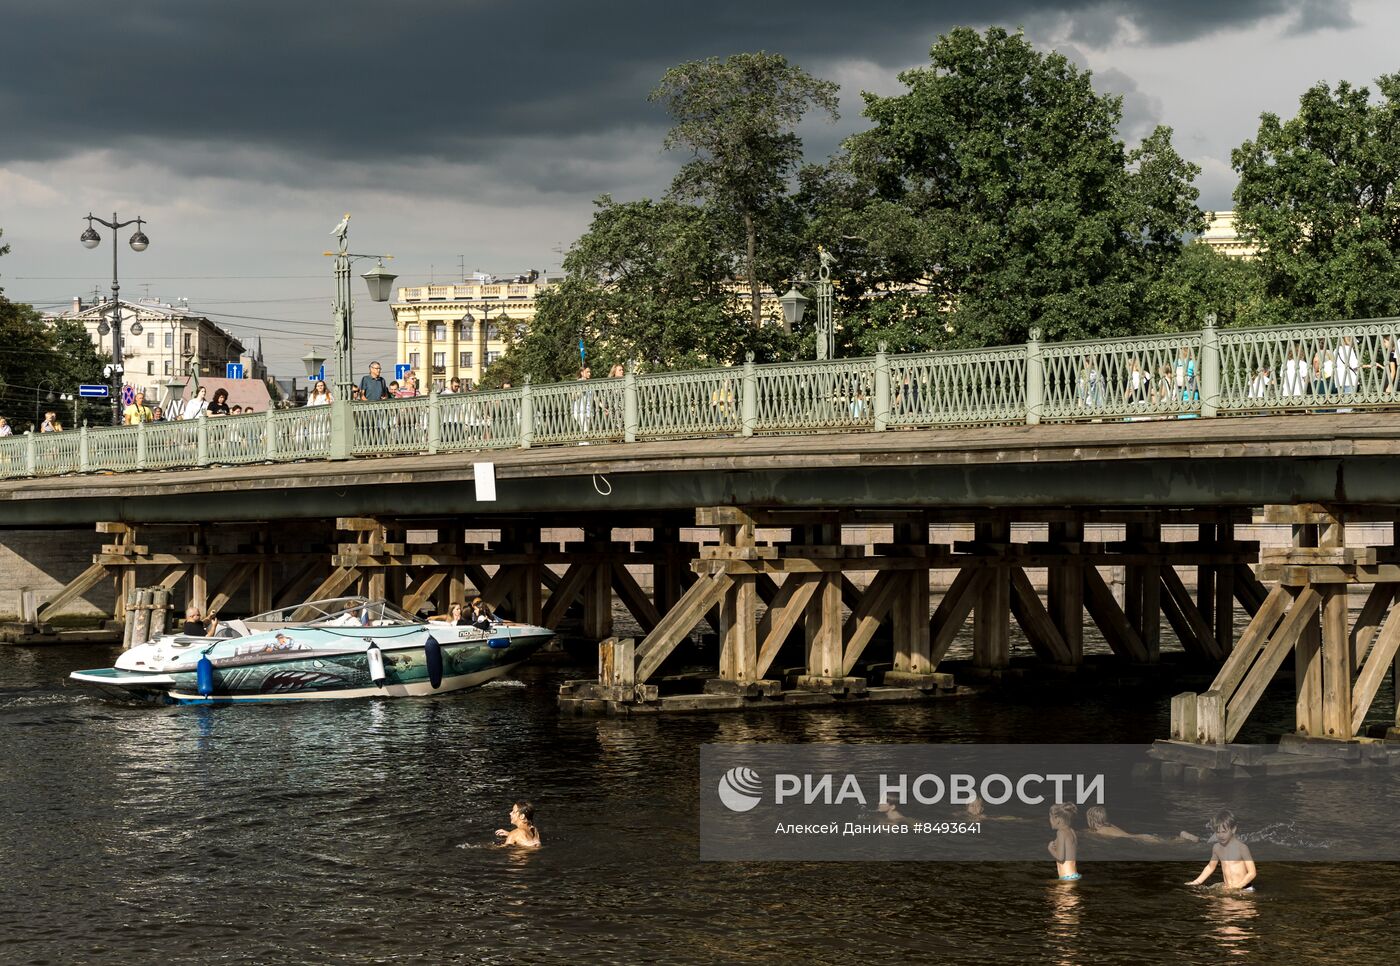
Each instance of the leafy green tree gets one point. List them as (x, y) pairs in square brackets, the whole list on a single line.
[(648, 282), (997, 184), (1202, 280), (36, 358), (1318, 192), (737, 116)]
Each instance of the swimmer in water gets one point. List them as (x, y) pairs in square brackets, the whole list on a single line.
[(1065, 845), (888, 813), (1096, 818), (523, 834), (1231, 854)]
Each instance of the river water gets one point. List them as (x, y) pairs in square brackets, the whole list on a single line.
[(361, 831)]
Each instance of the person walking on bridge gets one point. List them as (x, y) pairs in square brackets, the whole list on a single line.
[(373, 387)]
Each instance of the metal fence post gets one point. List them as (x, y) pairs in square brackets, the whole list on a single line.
[(342, 429), (1210, 367), (882, 389), (434, 421), (1035, 379), (201, 437), (527, 416), (84, 461), (269, 435), (141, 445), (748, 405), (31, 453), (629, 404)]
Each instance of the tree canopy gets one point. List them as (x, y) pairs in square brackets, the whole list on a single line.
[(1319, 193)]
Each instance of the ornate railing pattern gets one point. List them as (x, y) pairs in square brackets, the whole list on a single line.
[(1315, 368)]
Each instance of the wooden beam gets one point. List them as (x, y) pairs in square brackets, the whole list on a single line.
[(335, 584), (423, 587), (678, 622), (1307, 655), (232, 581), (1303, 609), (1379, 661), (991, 619), (1337, 666), (865, 620), (738, 631), (1104, 609), (1369, 620), (292, 589), (950, 616), (75, 588), (567, 592), (1252, 642), (912, 639), (172, 577), (1249, 591), (1196, 624), (636, 602), (782, 617), (1065, 588), (1041, 632), (824, 644)]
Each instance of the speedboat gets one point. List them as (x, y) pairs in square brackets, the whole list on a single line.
[(348, 647)]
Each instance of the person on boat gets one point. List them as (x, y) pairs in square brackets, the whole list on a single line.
[(195, 626), (455, 616), (481, 615), (523, 832)]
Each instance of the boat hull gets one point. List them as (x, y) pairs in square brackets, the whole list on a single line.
[(322, 677)]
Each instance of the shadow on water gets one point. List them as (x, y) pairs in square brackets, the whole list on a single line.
[(363, 831)]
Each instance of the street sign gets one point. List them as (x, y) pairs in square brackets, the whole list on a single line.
[(401, 370), (94, 392), (233, 370), (320, 375), (128, 395)]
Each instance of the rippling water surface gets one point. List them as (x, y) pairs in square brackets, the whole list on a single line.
[(361, 832)]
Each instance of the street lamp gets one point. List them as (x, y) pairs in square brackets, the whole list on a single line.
[(139, 243), (313, 361), (794, 305), (380, 281)]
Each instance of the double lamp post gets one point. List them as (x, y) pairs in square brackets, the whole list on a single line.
[(139, 242)]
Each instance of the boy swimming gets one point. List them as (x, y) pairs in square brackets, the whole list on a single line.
[(1230, 853), (1065, 844), (523, 834)]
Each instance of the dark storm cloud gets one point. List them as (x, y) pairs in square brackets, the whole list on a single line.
[(204, 87)]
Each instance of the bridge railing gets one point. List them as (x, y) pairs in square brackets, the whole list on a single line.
[(1324, 367)]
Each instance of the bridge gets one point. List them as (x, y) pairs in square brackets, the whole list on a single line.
[(793, 507)]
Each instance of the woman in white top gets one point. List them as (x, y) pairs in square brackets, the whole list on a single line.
[(319, 395), (196, 406), (1295, 372)]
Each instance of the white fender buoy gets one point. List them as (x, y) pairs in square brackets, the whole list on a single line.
[(375, 658)]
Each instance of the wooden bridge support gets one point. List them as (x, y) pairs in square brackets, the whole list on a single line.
[(1339, 664)]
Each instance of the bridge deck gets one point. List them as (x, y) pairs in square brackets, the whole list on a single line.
[(1345, 459)]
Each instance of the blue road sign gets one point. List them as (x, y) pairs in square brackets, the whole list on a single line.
[(94, 392), (400, 370), (320, 374), (128, 395), (233, 370)]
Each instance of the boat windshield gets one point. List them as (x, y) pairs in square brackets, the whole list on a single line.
[(340, 612)]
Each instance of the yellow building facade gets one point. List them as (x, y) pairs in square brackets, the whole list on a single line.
[(456, 331), (1222, 235)]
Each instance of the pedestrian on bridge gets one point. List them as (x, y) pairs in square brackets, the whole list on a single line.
[(373, 387)]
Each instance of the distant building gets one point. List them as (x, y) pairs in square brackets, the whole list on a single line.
[(457, 330), (160, 342), (1222, 235)]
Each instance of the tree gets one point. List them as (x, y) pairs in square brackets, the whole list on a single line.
[(36, 357), (998, 185), (1319, 193), (737, 117), (646, 282), (1202, 280)]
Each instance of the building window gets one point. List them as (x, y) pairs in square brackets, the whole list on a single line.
[(187, 341), (464, 360), (492, 357), (493, 332), (167, 367), (413, 360), (413, 333), (464, 330), (439, 331), (150, 340), (439, 363), (150, 368), (170, 340)]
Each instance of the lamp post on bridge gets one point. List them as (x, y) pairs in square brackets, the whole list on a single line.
[(139, 242), (794, 305), (380, 281)]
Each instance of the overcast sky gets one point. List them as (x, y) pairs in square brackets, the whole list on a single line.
[(481, 130)]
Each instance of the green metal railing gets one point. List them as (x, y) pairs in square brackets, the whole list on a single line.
[(1325, 367)]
